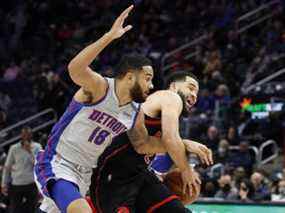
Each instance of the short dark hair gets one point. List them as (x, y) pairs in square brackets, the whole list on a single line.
[(249, 187), (178, 76), (131, 62), (27, 128)]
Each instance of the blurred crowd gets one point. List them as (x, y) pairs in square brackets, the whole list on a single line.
[(38, 38), (238, 187)]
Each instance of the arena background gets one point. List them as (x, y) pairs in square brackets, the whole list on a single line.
[(236, 48)]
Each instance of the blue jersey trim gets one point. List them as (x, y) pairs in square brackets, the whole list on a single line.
[(43, 168), (162, 163), (136, 115)]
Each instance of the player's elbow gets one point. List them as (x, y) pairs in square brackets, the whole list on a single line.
[(72, 68), (75, 72), (140, 149)]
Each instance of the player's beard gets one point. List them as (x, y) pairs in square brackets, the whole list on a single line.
[(185, 111), (137, 93)]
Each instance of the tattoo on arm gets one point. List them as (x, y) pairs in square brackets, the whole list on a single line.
[(137, 136)]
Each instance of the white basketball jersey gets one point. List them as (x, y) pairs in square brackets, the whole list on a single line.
[(84, 131)]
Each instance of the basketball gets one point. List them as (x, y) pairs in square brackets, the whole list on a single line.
[(174, 182)]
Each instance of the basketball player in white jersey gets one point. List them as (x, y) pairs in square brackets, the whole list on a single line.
[(100, 110), (122, 179)]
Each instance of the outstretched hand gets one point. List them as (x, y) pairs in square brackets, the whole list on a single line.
[(204, 153), (118, 29)]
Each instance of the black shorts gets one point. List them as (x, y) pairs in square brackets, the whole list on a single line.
[(144, 193), (116, 181), (154, 196), (122, 182)]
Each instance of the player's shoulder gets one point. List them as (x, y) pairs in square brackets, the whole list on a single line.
[(162, 99), (98, 92), (15, 146), (167, 96)]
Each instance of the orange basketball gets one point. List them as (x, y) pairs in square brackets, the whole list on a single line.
[(174, 182)]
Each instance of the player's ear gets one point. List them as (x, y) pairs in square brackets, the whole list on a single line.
[(130, 76)]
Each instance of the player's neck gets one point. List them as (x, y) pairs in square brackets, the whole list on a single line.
[(122, 92)]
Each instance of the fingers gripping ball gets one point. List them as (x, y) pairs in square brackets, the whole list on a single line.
[(174, 182)]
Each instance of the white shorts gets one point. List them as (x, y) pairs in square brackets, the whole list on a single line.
[(59, 168)]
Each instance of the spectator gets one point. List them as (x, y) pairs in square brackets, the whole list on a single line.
[(227, 191), (2, 161), (5, 101), (280, 174), (64, 33), (18, 179), (279, 195), (57, 91), (261, 190), (3, 199), (3, 120), (212, 138), (232, 136), (246, 191), (3, 124), (213, 62), (206, 102), (223, 152), (239, 175), (41, 90), (242, 157), (11, 72), (222, 94), (210, 189)]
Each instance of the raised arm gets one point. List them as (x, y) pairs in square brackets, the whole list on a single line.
[(79, 69)]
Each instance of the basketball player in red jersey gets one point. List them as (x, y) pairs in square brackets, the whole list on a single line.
[(122, 179)]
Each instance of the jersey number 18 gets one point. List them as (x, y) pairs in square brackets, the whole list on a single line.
[(98, 135)]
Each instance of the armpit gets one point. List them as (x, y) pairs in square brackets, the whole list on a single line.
[(88, 96)]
